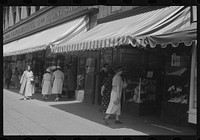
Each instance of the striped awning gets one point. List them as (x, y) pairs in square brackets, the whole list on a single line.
[(131, 30), (42, 40)]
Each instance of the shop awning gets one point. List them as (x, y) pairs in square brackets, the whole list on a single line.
[(186, 36), (131, 30), (41, 40)]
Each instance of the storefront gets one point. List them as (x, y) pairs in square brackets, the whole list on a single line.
[(55, 25), (158, 37)]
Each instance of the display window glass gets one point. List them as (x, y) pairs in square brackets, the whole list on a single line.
[(81, 73)]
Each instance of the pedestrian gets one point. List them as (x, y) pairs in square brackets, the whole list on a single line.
[(106, 90), (71, 80), (102, 76), (58, 78), (16, 78), (27, 83), (8, 76), (114, 106), (47, 84)]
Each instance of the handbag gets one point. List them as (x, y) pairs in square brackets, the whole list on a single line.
[(32, 81), (116, 101)]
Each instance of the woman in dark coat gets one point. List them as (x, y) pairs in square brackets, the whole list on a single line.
[(106, 90)]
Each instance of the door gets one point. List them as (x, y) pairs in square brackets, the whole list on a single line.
[(90, 80)]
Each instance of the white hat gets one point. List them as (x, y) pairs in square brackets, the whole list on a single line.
[(48, 70), (58, 67)]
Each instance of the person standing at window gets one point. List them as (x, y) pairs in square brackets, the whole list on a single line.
[(8, 76), (27, 83), (106, 90), (58, 78), (16, 78), (102, 76)]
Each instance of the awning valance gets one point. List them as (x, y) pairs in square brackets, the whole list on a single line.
[(131, 30), (41, 40), (186, 36)]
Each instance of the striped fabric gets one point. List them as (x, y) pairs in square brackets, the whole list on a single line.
[(131, 30), (41, 40)]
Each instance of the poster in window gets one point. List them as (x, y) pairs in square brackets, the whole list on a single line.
[(175, 60)]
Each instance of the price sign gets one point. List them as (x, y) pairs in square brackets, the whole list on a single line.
[(175, 60)]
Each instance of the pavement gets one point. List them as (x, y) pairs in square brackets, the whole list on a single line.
[(71, 117)]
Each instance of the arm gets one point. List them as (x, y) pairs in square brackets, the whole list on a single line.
[(102, 89), (22, 78)]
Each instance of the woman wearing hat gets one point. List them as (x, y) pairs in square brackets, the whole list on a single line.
[(114, 106), (46, 84), (58, 78), (27, 83)]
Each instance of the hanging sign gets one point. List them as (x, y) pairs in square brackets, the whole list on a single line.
[(175, 60)]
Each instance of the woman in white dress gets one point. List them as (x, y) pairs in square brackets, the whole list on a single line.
[(58, 78), (27, 83), (114, 106), (47, 84)]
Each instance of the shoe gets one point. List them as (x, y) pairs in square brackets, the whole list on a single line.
[(105, 121), (56, 99), (118, 122), (24, 98)]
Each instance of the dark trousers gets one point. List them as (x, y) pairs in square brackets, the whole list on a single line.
[(8, 83)]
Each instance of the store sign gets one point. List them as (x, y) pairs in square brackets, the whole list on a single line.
[(175, 60), (54, 15)]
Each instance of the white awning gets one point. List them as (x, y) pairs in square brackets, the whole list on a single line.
[(41, 40), (131, 30)]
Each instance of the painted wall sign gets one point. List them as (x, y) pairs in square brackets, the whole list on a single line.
[(47, 18)]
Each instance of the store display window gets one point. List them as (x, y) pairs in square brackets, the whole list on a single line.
[(81, 73)]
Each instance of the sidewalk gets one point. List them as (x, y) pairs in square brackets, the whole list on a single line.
[(70, 117)]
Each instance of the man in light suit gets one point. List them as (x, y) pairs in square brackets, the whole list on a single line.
[(58, 78)]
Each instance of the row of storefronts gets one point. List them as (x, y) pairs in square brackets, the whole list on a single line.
[(158, 48)]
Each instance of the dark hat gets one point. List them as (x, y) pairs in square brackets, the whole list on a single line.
[(111, 71), (119, 68)]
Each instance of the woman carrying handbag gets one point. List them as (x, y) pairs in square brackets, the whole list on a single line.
[(27, 83)]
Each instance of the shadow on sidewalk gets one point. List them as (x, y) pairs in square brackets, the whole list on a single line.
[(38, 96), (137, 123)]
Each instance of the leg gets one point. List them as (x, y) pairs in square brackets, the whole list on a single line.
[(106, 119), (57, 97), (117, 120)]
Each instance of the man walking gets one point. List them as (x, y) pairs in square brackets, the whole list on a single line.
[(8, 76)]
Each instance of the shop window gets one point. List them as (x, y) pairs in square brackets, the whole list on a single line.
[(115, 8), (29, 10), (37, 8), (81, 73), (20, 8)]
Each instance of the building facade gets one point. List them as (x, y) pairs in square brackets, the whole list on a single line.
[(62, 24)]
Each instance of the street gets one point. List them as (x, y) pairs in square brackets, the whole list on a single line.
[(71, 117)]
